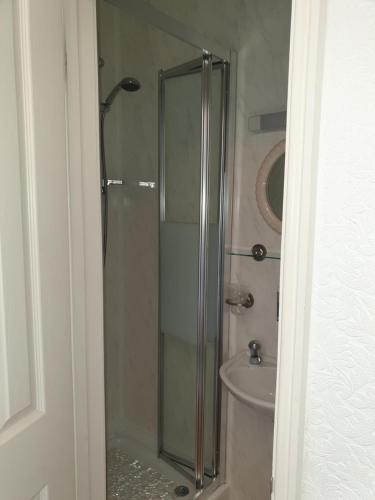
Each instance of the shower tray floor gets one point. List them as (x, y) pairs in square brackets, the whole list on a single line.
[(132, 479)]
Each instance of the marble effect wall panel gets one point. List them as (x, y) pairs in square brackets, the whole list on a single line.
[(259, 31), (262, 87), (131, 48)]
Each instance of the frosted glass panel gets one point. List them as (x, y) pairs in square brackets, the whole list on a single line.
[(179, 249), (179, 266), (182, 119)]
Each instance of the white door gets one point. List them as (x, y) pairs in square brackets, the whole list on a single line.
[(36, 396)]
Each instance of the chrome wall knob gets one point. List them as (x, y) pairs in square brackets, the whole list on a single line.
[(259, 252)]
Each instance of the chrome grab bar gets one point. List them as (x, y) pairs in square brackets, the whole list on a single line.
[(121, 182)]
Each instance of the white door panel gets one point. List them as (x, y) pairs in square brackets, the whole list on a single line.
[(37, 458)]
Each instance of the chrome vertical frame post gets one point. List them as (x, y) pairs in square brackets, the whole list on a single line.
[(220, 271), (161, 147), (161, 140), (202, 285)]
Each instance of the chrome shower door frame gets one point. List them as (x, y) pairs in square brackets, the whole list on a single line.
[(205, 66), (202, 286)]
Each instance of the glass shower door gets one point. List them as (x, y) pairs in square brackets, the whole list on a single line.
[(180, 115), (192, 111)]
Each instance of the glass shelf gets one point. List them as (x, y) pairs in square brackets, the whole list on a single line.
[(271, 255)]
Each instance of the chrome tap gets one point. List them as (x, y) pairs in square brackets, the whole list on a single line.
[(255, 357)]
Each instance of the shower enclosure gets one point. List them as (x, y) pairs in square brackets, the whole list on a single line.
[(164, 268), (192, 127)]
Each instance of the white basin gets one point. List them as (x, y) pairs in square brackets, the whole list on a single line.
[(254, 385)]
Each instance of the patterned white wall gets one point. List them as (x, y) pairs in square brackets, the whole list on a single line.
[(339, 461)]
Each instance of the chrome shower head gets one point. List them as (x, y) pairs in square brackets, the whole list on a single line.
[(128, 83)]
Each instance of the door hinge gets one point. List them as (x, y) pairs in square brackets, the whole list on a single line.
[(271, 485)]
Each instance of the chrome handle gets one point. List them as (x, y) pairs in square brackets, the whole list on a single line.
[(115, 182), (147, 184), (254, 347), (255, 357)]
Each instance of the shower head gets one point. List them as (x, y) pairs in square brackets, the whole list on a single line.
[(128, 83)]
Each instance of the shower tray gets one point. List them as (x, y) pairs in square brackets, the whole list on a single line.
[(133, 479)]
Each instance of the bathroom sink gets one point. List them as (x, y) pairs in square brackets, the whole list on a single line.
[(254, 385)]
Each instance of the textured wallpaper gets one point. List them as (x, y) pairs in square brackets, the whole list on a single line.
[(339, 461)]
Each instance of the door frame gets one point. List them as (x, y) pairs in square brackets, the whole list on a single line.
[(302, 145), (82, 104), (306, 50)]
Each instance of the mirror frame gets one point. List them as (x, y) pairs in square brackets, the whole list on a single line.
[(261, 186)]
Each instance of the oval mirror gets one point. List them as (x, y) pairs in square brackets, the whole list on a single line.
[(270, 186)]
